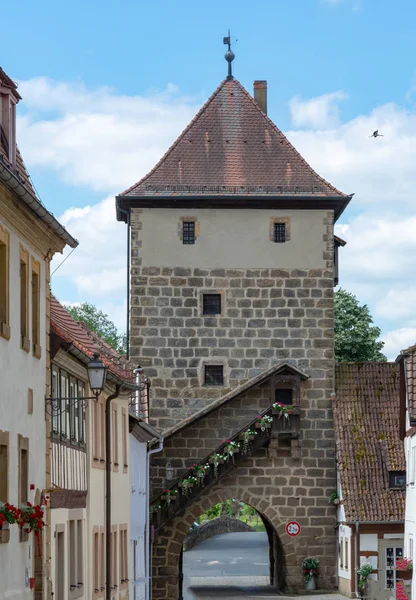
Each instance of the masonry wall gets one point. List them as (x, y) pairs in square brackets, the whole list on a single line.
[(271, 311), (277, 305)]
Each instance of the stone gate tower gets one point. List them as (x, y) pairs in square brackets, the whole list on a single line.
[(232, 267)]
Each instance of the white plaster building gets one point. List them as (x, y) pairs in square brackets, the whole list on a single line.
[(407, 360), (29, 237), (141, 433), (80, 549)]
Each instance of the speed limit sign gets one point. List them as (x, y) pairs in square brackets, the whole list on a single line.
[(293, 528)]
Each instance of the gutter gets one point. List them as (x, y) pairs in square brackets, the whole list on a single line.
[(108, 552), (125, 203), (12, 182)]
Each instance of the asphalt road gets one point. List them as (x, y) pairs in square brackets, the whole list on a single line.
[(224, 564)]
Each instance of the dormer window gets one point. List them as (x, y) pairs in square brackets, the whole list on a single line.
[(397, 480), (9, 97)]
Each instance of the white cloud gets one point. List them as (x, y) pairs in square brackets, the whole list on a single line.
[(107, 142), (397, 340), (98, 138), (319, 113)]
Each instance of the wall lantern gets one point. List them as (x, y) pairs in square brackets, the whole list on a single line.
[(169, 472)]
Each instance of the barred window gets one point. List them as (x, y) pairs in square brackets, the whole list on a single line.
[(279, 233), (214, 375), (188, 232), (211, 304)]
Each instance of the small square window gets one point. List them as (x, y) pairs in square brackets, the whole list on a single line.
[(279, 233), (211, 304), (188, 232), (398, 479), (284, 397), (214, 375)]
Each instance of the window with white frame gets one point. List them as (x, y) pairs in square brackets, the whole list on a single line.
[(413, 467), (76, 565)]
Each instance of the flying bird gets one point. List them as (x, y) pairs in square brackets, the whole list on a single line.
[(376, 134)]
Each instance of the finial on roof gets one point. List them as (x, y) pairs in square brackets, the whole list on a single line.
[(229, 56)]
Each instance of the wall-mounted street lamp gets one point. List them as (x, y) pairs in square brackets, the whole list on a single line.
[(169, 472), (97, 372)]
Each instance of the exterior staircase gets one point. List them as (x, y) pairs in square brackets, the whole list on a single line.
[(193, 483)]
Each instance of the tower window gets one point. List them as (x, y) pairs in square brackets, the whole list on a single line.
[(279, 233), (211, 304), (188, 232), (214, 375)]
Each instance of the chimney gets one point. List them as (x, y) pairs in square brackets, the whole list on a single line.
[(260, 94)]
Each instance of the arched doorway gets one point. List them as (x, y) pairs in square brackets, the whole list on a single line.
[(168, 558), (231, 548)]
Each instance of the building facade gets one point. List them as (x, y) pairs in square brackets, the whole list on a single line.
[(371, 476), (232, 270), (78, 465), (29, 237), (407, 361)]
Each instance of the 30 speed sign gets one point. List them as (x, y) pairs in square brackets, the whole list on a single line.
[(293, 528)]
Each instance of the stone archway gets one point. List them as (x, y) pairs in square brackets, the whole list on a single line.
[(167, 548)]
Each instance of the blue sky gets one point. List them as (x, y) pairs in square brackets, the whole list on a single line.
[(107, 87)]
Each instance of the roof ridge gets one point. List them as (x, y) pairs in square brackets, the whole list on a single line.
[(178, 139)]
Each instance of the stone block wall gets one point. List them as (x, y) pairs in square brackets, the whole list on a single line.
[(268, 315)]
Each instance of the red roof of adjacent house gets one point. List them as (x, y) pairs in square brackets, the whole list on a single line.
[(232, 147), (87, 342), (366, 416)]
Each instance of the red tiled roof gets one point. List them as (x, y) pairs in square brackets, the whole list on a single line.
[(410, 356), (87, 342), (366, 416), (234, 148)]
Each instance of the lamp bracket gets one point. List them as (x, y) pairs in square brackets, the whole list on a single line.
[(53, 406)]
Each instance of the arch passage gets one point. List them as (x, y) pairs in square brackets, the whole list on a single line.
[(167, 576)]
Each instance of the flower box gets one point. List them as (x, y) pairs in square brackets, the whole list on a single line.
[(406, 575), (263, 425)]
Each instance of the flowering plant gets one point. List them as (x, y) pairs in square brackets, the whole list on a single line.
[(153, 508), (169, 495), (310, 568), (199, 472), (404, 564), (283, 411), (400, 593), (187, 484), (264, 423), (8, 513), (363, 572), (216, 459), (231, 448), (247, 436)]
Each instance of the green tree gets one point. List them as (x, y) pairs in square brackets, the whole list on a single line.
[(100, 323), (356, 337)]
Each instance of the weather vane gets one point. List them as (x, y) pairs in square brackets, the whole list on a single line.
[(229, 55)]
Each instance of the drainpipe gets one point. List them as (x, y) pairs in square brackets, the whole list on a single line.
[(127, 213), (357, 559), (108, 490), (148, 574)]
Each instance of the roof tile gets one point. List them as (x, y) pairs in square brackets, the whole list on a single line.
[(366, 416)]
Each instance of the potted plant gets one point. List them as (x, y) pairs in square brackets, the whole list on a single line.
[(246, 437), (169, 496), (363, 573), (187, 484), (231, 448), (283, 412), (310, 572), (199, 473), (404, 568), (153, 508), (216, 459), (264, 423), (333, 498)]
